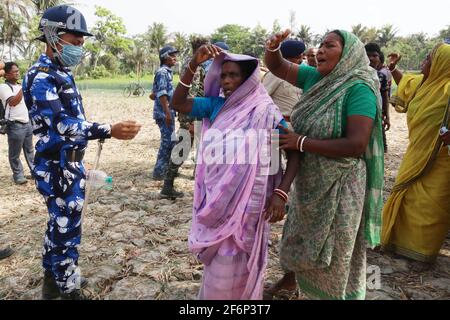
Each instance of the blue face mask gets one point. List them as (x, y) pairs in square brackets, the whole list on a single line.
[(71, 55)]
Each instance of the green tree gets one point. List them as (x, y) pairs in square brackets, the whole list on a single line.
[(109, 32), (276, 27), (236, 36), (157, 36), (12, 17), (42, 5), (257, 40), (305, 35), (359, 30), (181, 43), (445, 33), (386, 34)]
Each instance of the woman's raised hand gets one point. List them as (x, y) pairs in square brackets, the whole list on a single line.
[(394, 58), (276, 39), (206, 52)]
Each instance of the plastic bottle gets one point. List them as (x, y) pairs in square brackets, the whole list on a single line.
[(99, 180), (443, 131)]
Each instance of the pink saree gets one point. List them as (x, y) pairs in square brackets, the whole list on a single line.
[(229, 234)]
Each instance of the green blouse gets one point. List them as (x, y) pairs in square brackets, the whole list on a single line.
[(359, 99)]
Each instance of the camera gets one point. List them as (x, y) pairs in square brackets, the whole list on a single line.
[(3, 126)]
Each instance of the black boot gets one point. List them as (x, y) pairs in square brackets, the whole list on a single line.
[(74, 295), (168, 192), (50, 290), (5, 253)]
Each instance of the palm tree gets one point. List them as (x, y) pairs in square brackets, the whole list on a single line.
[(42, 5), (157, 36), (12, 16), (181, 42), (10, 11), (386, 34), (305, 35), (359, 30)]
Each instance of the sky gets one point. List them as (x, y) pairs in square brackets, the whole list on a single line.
[(203, 17)]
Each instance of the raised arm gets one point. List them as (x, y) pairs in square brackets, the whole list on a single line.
[(273, 59), (180, 100), (395, 58)]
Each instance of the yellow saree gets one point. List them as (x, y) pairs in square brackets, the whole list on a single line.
[(416, 217)]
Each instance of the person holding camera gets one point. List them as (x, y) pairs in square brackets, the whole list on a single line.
[(17, 121)]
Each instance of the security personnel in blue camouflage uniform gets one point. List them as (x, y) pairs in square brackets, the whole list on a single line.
[(58, 120), (163, 114), (186, 126)]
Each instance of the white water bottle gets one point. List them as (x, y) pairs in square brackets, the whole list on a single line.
[(99, 180), (443, 131)]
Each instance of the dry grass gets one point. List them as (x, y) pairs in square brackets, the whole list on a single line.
[(134, 244)]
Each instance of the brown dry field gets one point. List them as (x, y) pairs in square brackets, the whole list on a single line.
[(134, 245)]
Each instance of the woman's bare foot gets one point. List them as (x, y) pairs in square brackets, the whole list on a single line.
[(287, 283)]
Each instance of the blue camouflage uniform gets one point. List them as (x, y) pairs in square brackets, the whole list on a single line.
[(58, 119), (162, 86)]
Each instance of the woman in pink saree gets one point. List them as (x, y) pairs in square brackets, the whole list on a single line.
[(234, 200)]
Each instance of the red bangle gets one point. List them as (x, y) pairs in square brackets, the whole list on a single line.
[(283, 195)]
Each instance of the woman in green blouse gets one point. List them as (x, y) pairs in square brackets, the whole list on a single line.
[(335, 210)]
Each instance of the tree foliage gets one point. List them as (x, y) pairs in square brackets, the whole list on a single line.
[(111, 51)]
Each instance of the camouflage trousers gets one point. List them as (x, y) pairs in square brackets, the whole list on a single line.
[(174, 166)]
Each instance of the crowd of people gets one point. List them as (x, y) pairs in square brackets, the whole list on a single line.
[(327, 110)]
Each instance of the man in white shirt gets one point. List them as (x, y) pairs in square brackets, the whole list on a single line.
[(19, 130), (284, 94)]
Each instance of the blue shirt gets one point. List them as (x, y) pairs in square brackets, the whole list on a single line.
[(209, 107), (162, 86), (56, 109)]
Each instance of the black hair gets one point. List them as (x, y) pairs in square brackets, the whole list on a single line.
[(197, 42), (382, 57), (373, 47), (340, 35), (247, 67), (9, 65)]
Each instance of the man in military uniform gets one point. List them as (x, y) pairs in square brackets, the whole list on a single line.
[(163, 114), (59, 122), (186, 125)]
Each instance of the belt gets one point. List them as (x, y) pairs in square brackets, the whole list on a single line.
[(19, 122), (71, 155)]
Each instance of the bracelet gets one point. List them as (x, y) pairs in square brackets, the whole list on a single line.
[(298, 142), (393, 69), (185, 85), (189, 67), (301, 144), (274, 50), (283, 195)]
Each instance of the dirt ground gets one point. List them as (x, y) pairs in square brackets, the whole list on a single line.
[(135, 245)]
